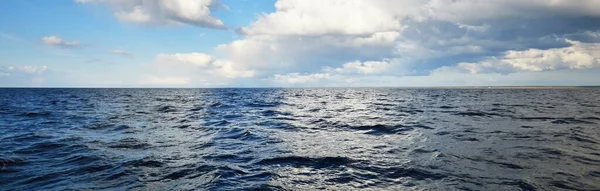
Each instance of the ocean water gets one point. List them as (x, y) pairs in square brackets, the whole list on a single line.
[(300, 139)]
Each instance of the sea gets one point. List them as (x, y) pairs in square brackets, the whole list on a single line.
[(511, 138)]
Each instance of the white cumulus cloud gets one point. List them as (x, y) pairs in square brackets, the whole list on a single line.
[(197, 69), (368, 67), (379, 41), (164, 12), (57, 41), (577, 56), (346, 71), (331, 17)]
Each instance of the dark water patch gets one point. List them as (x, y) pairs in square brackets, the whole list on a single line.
[(476, 114), (570, 121), (189, 172), (583, 138), (314, 110), (46, 146), (129, 143), (588, 105), (99, 126), (506, 165), (217, 123), (510, 105), (269, 113), (595, 174), (145, 163), (548, 152), (501, 110), (447, 107), (238, 133), (503, 164), (298, 161), (265, 187), (118, 176), (442, 133), (420, 150), (284, 118), (233, 116), (558, 120), (591, 118), (346, 178), (43, 178), (122, 128), (35, 114), (79, 160), (197, 108), (465, 138), (93, 168), (229, 158), (166, 109), (279, 125), (523, 185), (217, 104), (27, 137), (263, 104), (537, 118), (165, 99), (586, 160), (181, 126), (564, 185), (7, 164)]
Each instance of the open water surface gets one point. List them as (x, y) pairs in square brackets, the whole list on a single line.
[(300, 139)]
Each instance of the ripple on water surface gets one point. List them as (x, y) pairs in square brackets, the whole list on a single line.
[(300, 139)]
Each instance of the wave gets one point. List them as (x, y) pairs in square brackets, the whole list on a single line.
[(299, 139)]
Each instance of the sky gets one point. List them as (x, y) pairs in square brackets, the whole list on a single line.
[(299, 43)]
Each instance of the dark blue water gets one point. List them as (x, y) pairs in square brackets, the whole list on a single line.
[(300, 139)]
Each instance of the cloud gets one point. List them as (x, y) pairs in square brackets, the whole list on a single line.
[(22, 75), (369, 42), (196, 59), (198, 69), (303, 37), (446, 76), (475, 11), (24, 69), (120, 52), (57, 41), (164, 12), (350, 69), (369, 67), (288, 53), (332, 17), (577, 56), (359, 17)]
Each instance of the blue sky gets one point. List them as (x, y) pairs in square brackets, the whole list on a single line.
[(298, 43)]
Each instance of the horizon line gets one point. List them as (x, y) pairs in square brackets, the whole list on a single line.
[(303, 87)]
